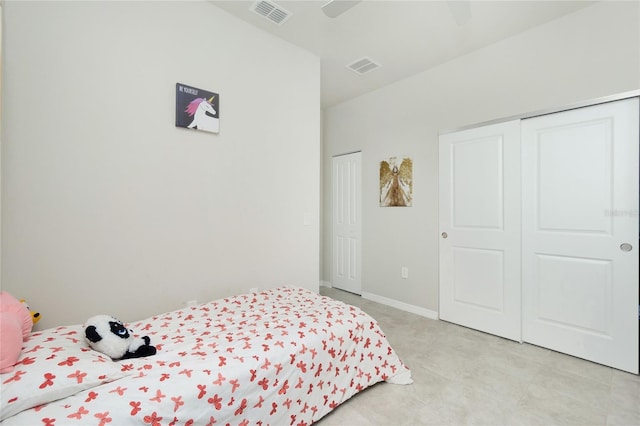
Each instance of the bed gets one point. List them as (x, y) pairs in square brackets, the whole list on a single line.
[(285, 356)]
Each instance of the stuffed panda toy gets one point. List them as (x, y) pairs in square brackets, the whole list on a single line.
[(108, 335)]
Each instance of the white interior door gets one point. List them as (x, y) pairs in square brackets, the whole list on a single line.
[(480, 229), (580, 232), (347, 226)]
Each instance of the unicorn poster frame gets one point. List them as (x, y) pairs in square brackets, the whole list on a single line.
[(197, 109)]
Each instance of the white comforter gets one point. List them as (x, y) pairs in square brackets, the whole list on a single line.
[(283, 356)]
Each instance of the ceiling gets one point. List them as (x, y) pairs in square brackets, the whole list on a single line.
[(403, 37)]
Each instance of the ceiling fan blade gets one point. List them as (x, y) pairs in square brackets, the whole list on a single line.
[(334, 8), (460, 10)]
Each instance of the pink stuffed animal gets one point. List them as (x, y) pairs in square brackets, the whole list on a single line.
[(15, 326)]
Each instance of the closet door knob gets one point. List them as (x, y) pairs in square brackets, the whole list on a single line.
[(444, 235), (626, 247)]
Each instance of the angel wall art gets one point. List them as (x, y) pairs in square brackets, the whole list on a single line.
[(396, 182)]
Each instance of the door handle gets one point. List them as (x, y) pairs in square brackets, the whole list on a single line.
[(444, 235), (626, 247)]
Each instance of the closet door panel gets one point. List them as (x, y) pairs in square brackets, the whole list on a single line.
[(580, 206), (480, 229)]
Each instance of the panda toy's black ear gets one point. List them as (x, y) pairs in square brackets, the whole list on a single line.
[(92, 334)]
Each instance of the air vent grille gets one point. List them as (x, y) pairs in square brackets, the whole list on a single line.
[(363, 66), (271, 11)]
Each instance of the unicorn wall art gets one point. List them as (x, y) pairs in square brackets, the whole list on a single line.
[(197, 109)]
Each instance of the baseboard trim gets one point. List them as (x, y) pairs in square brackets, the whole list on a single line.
[(401, 305)]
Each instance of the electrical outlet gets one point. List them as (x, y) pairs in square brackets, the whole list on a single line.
[(405, 272)]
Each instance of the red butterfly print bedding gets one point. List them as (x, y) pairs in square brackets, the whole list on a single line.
[(285, 356)]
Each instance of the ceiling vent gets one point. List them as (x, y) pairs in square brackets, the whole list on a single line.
[(363, 66), (271, 11)]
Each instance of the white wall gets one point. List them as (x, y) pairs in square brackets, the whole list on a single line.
[(107, 206), (592, 53)]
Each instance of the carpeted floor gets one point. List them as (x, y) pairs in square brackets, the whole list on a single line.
[(465, 377)]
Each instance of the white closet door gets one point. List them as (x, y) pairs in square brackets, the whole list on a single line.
[(580, 233), (480, 229), (347, 223)]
